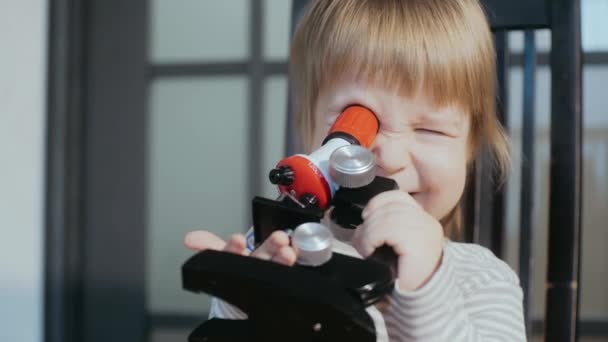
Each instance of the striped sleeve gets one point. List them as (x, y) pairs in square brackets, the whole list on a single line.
[(221, 309), (473, 296)]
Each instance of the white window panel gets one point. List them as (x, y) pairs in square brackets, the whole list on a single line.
[(594, 26), (199, 31), (277, 20), (198, 177), (274, 119)]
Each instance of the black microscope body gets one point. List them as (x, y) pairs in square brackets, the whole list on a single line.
[(303, 303), (296, 303)]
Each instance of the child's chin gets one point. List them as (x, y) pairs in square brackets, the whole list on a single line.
[(417, 196)]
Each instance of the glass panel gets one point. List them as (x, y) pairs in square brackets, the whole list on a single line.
[(543, 41), (197, 154), (195, 31), (594, 276), (540, 212), (594, 25), (277, 16), (273, 130), (594, 255)]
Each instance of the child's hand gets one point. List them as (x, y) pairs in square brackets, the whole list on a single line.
[(276, 248), (396, 219)]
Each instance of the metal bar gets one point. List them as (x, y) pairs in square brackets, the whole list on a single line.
[(198, 69), (566, 171), (275, 68), (485, 197), (517, 14), (502, 108), (503, 65), (469, 232), (595, 58), (114, 181), (256, 94), (213, 69), (63, 255), (527, 174), (280, 68)]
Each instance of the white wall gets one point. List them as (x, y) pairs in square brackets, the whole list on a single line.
[(23, 46)]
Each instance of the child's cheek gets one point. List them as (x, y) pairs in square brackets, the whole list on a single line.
[(442, 172)]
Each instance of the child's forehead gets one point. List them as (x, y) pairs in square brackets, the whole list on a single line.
[(353, 83), (349, 87)]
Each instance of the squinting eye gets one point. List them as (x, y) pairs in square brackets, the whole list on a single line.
[(429, 131)]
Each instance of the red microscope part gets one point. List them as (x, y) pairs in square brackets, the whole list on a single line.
[(306, 177)]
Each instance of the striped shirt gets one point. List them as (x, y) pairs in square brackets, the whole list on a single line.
[(473, 296)]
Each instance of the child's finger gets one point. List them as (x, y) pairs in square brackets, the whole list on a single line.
[(286, 255), (271, 246), (385, 198), (236, 244), (361, 241), (388, 209), (201, 240), (366, 240)]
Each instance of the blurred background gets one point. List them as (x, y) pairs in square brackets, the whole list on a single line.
[(124, 125)]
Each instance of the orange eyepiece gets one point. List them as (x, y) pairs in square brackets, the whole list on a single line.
[(359, 122)]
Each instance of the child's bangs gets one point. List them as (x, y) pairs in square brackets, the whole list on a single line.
[(418, 48)]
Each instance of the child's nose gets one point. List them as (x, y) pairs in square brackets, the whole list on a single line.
[(392, 154)]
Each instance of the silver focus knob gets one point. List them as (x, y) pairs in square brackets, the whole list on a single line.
[(313, 242), (352, 166)]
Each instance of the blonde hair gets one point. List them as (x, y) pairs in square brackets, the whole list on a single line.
[(441, 47)]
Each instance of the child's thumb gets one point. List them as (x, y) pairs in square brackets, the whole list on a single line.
[(201, 240)]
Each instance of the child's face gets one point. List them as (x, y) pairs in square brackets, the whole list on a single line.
[(422, 147)]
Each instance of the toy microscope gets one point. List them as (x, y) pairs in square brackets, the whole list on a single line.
[(324, 296)]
